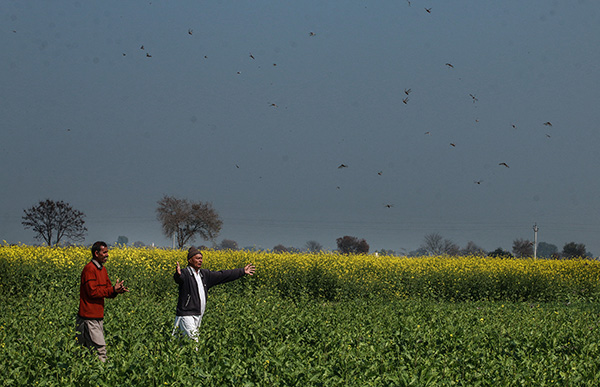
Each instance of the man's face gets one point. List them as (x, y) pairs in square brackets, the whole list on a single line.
[(101, 255), (196, 261)]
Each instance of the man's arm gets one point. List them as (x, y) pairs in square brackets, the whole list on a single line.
[(177, 275), (90, 282), (220, 277)]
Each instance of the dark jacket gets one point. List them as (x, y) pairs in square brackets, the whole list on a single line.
[(188, 303)]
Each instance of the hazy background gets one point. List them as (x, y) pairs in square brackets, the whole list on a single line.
[(91, 118)]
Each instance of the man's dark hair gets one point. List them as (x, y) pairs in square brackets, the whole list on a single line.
[(96, 247)]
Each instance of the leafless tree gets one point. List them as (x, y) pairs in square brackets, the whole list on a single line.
[(352, 245), (52, 221), (522, 248), (314, 246), (186, 219), (228, 244), (472, 249), (435, 244), (280, 249)]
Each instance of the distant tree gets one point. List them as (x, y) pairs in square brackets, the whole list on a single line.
[(352, 245), (314, 246), (52, 221), (186, 219), (280, 249), (499, 253), (435, 244), (385, 252), (122, 240), (472, 249), (522, 248), (138, 244), (546, 250), (228, 244), (574, 250), (418, 252)]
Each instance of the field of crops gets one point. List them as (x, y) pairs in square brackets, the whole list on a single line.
[(307, 320)]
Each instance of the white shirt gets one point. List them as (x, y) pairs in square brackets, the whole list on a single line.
[(200, 290)]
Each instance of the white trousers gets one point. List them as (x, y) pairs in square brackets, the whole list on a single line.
[(188, 325)]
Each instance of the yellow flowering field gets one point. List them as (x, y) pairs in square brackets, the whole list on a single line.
[(335, 276), (306, 320)]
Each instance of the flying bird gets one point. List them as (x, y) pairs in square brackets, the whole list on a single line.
[(274, 105), (452, 144), (190, 31), (342, 166), (389, 205), (311, 34), (477, 181), (251, 56), (428, 10), (548, 123), (450, 65), (514, 126), (142, 47), (148, 55), (405, 100), (547, 135), (407, 91), (506, 165), (474, 98), (428, 133), (380, 173)]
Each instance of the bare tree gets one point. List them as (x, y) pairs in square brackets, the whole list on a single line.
[(522, 248), (435, 244), (228, 244), (352, 245), (280, 249), (52, 220), (186, 219), (472, 249), (314, 246)]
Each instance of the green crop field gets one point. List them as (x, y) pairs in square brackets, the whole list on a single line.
[(307, 320)]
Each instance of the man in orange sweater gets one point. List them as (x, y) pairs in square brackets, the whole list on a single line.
[(94, 288)]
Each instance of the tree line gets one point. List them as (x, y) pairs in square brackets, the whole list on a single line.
[(184, 220)]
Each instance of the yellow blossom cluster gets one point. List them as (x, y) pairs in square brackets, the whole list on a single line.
[(331, 275)]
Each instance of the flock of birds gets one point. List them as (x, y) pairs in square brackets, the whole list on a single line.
[(405, 101)]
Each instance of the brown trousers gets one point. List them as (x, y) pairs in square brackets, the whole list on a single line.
[(90, 334)]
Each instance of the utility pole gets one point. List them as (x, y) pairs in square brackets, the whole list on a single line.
[(535, 230)]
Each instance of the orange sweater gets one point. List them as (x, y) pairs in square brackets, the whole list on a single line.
[(94, 288)]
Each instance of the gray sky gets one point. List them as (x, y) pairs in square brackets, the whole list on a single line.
[(91, 118)]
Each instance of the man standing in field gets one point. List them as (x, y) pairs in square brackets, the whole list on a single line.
[(95, 286), (193, 288)]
